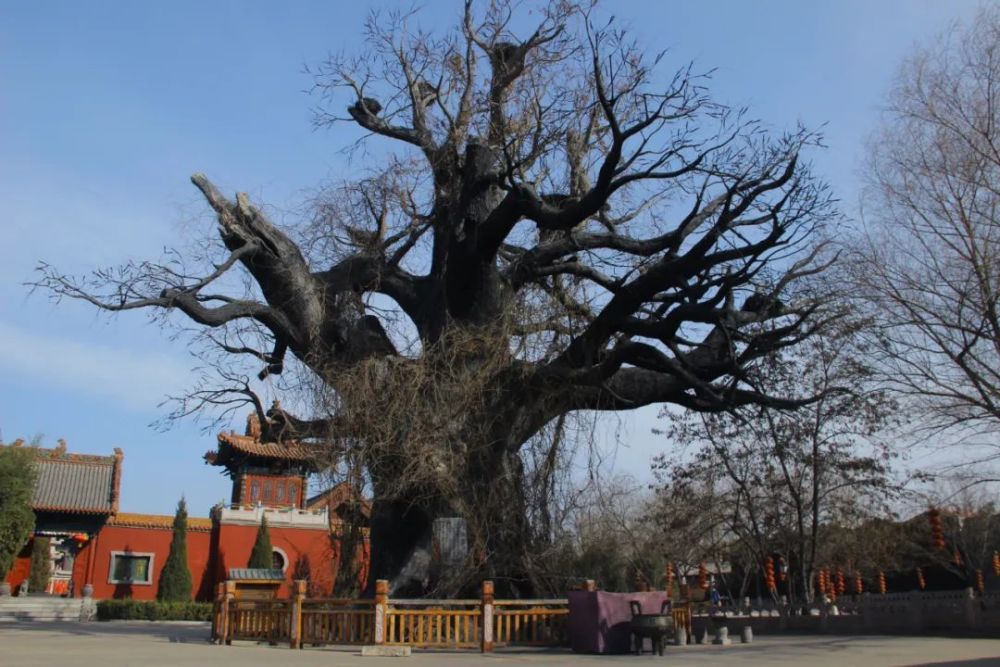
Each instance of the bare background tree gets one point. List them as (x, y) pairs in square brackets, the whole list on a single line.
[(760, 482), (541, 222), (928, 271)]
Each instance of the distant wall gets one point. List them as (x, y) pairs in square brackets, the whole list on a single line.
[(950, 613)]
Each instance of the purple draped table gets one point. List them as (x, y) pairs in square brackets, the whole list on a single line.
[(599, 621)]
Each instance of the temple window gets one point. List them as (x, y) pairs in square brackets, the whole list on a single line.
[(267, 492), (278, 560), (130, 568), (279, 492), (293, 493), (254, 491)]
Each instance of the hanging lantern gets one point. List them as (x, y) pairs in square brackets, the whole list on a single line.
[(821, 581), (772, 584), (80, 538), (859, 584), (783, 571), (702, 577), (920, 579), (957, 559), (669, 577), (841, 582), (980, 581), (882, 588), (996, 563), (937, 531)]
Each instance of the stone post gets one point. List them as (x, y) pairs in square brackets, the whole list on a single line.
[(217, 611), (916, 611), (295, 628), (487, 617), (722, 635), (228, 598), (381, 609), (971, 617)]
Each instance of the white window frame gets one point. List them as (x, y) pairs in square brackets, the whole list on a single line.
[(132, 554), (284, 556)]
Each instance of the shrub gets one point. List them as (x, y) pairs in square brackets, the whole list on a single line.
[(261, 556), (175, 579), (17, 483), (41, 565), (153, 610)]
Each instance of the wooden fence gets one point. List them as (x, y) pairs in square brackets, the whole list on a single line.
[(474, 623)]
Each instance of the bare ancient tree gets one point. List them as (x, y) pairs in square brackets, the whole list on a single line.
[(560, 229), (930, 270)]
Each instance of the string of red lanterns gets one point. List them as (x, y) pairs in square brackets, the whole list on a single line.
[(937, 530), (769, 574)]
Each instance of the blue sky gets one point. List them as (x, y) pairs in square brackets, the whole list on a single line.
[(108, 107)]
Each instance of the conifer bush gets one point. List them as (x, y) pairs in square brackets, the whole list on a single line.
[(41, 566), (175, 579), (261, 556)]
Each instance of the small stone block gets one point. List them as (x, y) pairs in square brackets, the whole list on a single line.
[(383, 651), (722, 637)]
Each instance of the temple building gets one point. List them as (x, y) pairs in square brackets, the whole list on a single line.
[(116, 554)]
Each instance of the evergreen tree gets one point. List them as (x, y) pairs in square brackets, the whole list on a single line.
[(17, 483), (175, 579), (41, 566), (261, 557)]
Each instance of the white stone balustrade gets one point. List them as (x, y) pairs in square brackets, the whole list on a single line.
[(284, 517)]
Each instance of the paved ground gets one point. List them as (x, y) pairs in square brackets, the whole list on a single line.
[(160, 644)]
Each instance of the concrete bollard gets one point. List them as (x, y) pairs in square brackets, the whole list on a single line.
[(722, 636), (681, 636), (747, 636)]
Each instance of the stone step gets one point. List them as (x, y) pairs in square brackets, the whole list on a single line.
[(22, 607), (32, 609)]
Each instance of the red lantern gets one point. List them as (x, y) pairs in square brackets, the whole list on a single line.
[(920, 579), (980, 581), (882, 588), (821, 581), (702, 577), (841, 582), (859, 584), (996, 563), (769, 574), (669, 577), (783, 571)]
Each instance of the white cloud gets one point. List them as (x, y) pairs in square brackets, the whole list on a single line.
[(136, 380)]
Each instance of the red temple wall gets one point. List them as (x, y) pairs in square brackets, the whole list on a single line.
[(139, 541), (21, 568), (236, 542)]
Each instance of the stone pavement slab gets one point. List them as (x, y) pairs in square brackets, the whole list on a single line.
[(143, 644)]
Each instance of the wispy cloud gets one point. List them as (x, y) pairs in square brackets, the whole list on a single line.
[(137, 380)]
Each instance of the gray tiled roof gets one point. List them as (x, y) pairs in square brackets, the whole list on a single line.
[(256, 573), (75, 483)]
